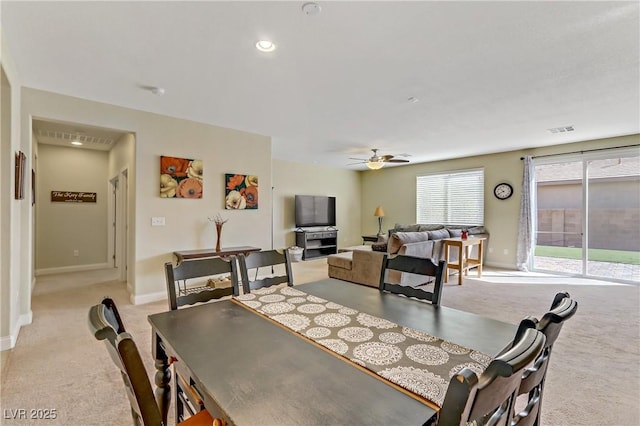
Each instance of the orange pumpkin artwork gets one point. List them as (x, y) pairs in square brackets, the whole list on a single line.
[(180, 178)]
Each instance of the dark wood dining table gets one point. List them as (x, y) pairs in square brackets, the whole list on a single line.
[(251, 371)]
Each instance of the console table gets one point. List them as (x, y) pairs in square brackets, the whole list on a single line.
[(464, 262), (225, 251)]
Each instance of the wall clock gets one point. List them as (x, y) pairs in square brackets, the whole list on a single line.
[(503, 190)]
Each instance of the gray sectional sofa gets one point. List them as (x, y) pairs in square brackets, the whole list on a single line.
[(362, 264)]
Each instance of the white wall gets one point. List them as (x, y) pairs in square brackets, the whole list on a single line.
[(290, 179), (15, 215), (222, 150), (394, 189), (64, 227)]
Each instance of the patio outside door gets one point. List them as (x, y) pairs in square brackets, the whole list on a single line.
[(588, 215)]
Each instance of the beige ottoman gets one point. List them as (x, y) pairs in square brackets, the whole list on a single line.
[(358, 264)]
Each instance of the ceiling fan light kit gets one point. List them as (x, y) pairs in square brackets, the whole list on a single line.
[(375, 165)]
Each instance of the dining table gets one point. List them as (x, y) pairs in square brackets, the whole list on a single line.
[(249, 369)]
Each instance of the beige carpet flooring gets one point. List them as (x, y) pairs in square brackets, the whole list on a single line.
[(594, 376)]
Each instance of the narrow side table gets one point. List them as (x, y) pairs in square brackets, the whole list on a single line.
[(369, 238), (464, 262)]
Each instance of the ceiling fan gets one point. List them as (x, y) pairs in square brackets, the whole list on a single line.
[(377, 161)]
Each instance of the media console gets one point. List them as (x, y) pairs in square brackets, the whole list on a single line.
[(317, 243)]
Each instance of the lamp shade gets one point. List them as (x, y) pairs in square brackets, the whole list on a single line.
[(379, 212)]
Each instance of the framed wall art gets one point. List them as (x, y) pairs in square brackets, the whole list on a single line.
[(180, 177), (241, 192)]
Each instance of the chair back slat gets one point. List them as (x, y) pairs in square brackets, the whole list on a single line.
[(125, 355), (489, 397), (199, 268), (414, 265), (534, 377), (263, 259)]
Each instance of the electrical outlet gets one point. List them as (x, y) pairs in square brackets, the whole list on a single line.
[(76, 253), (490, 249), (157, 221)]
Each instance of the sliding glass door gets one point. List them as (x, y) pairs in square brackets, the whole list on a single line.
[(588, 214)]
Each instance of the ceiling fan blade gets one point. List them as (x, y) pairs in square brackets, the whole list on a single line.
[(359, 162), (396, 161), (359, 159), (386, 157)]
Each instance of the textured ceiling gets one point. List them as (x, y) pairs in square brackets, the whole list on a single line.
[(488, 76)]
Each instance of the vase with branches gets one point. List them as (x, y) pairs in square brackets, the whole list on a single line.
[(219, 221)]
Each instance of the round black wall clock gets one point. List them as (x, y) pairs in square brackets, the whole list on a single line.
[(502, 191)]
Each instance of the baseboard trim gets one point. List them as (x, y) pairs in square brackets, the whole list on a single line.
[(148, 298), (74, 268), (9, 342), (510, 266)]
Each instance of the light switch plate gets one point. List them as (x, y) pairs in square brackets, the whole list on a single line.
[(157, 221)]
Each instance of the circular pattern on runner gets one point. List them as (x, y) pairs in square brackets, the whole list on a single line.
[(371, 321), (317, 332), (271, 298), (418, 335), (428, 355), (377, 353), (311, 308), (290, 291), (264, 290), (454, 349), (247, 296), (422, 382), (254, 304), (477, 368), (347, 311), (335, 345), (359, 362), (480, 358), (297, 300), (392, 337), (315, 299), (355, 334), (332, 320), (295, 322), (278, 308), (333, 305)]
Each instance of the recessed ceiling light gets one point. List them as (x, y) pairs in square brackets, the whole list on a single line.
[(413, 100), (77, 143), (265, 46), (311, 8)]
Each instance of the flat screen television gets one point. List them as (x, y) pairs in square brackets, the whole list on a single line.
[(315, 210)]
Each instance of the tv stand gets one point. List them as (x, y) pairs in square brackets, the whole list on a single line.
[(317, 243)]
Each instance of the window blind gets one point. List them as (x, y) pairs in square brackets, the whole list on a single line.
[(451, 198)]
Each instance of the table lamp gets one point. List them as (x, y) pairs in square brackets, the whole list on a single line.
[(379, 213)]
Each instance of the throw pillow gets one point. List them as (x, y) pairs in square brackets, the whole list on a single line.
[(475, 230), (400, 238), (438, 235), (454, 233)]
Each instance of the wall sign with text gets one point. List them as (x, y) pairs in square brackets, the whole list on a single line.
[(73, 197)]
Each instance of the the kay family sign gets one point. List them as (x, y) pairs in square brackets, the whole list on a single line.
[(73, 197)]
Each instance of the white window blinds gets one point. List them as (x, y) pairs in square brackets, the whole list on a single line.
[(452, 198)]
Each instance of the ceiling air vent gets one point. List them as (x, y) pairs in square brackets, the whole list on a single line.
[(562, 129)]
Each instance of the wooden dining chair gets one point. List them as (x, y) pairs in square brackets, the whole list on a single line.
[(414, 265), (261, 259), (534, 377), (179, 291), (106, 325), (488, 399)]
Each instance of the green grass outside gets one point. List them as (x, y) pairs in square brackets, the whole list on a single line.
[(599, 255)]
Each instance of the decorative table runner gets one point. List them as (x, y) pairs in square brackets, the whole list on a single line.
[(412, 359)]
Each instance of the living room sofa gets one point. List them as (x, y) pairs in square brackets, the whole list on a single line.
[(362, 264)]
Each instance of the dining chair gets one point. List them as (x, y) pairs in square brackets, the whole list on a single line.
[(534, 376), (179, 291), (105, 324), (487, 399), (414, 265), (261, 259)]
